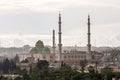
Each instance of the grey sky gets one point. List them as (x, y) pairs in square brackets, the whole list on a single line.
[(26, 21)]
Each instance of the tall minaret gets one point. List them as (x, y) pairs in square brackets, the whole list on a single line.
[(59, 33), (54, 41), (89, 39)]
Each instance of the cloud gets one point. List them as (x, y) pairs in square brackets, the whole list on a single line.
[(7, 6), (30, 19), (17, 40)]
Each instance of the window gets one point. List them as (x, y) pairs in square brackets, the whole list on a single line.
[(51, 57), (72, 56), (75, 56), (44, 56), (68, 56), (81, 56), (85, 57), (65, 56)]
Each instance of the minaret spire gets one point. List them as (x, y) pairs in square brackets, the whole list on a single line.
[(89, 38), (59, 33), (54, 41)]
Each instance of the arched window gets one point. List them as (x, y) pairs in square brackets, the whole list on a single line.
[(65, 56), (44, 57)]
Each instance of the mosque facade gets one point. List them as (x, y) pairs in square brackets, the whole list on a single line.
[(41, 52)]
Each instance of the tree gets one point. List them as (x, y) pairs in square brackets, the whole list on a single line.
[(12, 66), (16, 58), (91, 70), (92, 75), (106, 70), (107, 73), (6, 66), (77, 77), (42, 64), (26, 77), (40, 71), (63, 65), (83, 64), (2, 78), (18, 78)]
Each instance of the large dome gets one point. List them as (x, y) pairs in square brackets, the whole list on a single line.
[(39, 48), (34, 50), (46, 50)]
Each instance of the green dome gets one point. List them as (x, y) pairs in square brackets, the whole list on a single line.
[(34, 50), (39, 44), (39, 48), (46, 49)]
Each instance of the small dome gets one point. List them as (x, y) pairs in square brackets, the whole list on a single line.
[(34, 50), (39, 44), (39, 50), (46, 50)]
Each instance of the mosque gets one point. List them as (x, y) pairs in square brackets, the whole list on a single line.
[(41, 52)]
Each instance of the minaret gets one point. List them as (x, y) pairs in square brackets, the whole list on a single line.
[(54, 41), (59, 33), (89, 39)]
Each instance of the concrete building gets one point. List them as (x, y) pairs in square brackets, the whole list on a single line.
[(43, 53), (39, 52)]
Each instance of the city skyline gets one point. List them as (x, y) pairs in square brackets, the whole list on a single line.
[(26, 21)]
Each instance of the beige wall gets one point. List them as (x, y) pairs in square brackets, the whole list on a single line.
[(67, 57)]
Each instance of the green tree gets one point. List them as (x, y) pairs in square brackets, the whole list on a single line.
[(83, 64), (91, 70), (26, 77), (42, 64), (6, 66), (18, 78), (12, 66), (2, 78), (107, 73), (16, 59), (40, 71)]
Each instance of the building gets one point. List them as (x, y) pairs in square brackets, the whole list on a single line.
[(39, 52)]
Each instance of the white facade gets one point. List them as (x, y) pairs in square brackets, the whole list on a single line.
[(45, 56), (57, 58)]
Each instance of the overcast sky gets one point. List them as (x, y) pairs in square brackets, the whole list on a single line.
[(26, 21)]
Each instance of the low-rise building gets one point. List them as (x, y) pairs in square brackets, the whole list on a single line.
[(39, 52)]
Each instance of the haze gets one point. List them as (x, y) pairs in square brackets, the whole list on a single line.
[(26, 21)]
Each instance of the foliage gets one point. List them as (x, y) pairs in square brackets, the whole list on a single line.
[(107, 73), (18, 78), (16, 59), (41, 71), (41, 64), (26, 77), (83, 64), (6, 66), (9, 66), (2, 78), (106, 70), (91, 70)]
